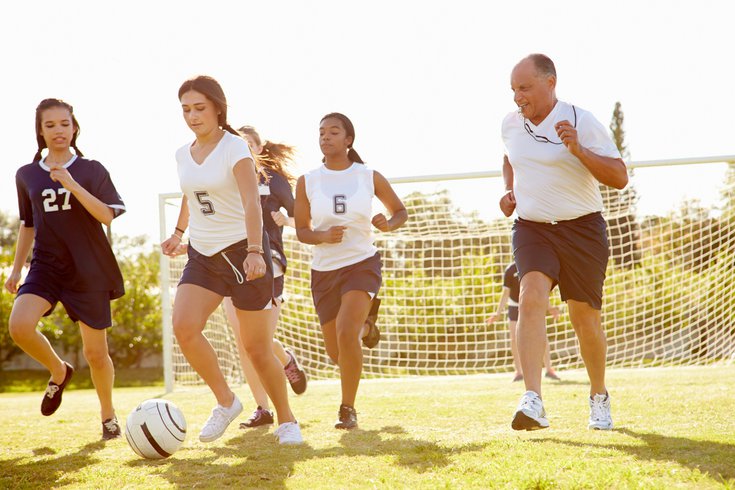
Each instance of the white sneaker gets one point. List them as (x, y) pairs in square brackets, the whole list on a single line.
[(217, 423), (289, 433), (530, 414), (600, 418)]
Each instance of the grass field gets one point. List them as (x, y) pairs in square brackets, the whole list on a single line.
[(675, 427)]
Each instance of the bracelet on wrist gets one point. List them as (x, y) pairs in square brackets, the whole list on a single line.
[(180, 230), (256, 249), (177, 236)]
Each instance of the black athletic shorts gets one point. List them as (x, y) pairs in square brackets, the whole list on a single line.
[(327, 287), (89, 307), (513, 313), (572, 253), (222, 273)]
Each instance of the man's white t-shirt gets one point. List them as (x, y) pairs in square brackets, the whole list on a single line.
[(216, 215), (549, 183), (342, 198)]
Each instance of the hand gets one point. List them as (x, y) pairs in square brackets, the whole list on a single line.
[(254, 266), (568, 135), (508, 203), (279, 218), (334, 234), (181, 249), (491, 319), (554, 312), (381, 222), (61, 175), (169, 246), (12, 283)]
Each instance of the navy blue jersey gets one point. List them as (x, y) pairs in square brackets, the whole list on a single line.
[(279, 196), (512, 282), (69, 241)]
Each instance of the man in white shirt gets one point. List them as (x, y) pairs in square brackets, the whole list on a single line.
[(556, 156)]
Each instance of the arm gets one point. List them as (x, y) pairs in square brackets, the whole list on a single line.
[(607, 170), (302, 217), (386, 194), (99, 210), (501, 306), (247, 183), (282, 190), (508, 201), (22, 249), (171, 246)]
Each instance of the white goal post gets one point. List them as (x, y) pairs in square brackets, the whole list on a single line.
[(669, 296)]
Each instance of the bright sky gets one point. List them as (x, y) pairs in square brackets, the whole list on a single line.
[(425, 82)]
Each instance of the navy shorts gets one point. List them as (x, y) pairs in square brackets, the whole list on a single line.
[(89, 307), (513, 313), (223, 274), (327, 287), (572, 253)]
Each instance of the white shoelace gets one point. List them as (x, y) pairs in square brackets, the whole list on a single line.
[(51, 391), (111, 425), (599, 411)]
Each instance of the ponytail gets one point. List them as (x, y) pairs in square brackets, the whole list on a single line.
[(353, 156), (229, 129)]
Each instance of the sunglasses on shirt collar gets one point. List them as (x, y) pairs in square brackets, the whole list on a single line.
[(544, 139)]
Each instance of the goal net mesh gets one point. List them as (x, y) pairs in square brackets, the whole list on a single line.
[(669, 296)]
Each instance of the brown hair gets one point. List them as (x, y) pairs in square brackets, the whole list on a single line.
[(48, 104), (275, 156)]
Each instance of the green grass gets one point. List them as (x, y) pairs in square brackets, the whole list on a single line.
[(25, 380), (674, 428)]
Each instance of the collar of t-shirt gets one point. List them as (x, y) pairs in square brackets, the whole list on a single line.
[(546, 127), (42, 163)]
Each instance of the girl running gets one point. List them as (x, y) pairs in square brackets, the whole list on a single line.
[(62, 199), (228, 256), (333, 212)]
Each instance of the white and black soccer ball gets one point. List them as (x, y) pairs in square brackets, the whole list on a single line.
[(155, 429)]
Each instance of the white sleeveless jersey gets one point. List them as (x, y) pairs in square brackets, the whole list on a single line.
[(342, 198), (216, 215)]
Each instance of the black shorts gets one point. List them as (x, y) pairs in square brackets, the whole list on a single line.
[(278, 287), (89, 307), (513, 313), (327, 287), (572, 253), (222, 273)]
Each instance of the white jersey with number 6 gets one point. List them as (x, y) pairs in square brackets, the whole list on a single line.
[(342, 198), (216, 215)]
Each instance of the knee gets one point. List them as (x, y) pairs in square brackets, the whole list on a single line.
[(533, 301), (20, 329), (347, 336), (259, 355), (184, 331), (96, 356)]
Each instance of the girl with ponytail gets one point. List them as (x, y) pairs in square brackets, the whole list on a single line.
[(333, 212), (228, 256), (63, 200)]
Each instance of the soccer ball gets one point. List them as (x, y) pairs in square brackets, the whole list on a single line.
[(155, 429)]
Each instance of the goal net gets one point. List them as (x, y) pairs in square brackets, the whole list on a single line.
[(669, 296)]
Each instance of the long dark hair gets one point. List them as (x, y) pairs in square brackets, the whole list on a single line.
[(48, 104), (212, 90), (350, 130), (275, 156)]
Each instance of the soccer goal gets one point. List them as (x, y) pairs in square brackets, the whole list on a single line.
[(669, 297)]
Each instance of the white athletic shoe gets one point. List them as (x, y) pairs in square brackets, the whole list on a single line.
[(289, 433), (530, 414), (217, 423), (600, 418)]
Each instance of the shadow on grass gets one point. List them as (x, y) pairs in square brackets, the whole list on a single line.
[(714, 458), (46, 472), (263, 463)]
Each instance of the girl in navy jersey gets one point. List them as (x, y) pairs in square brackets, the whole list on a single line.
[(228, 256), (333, 212), (63, 198)]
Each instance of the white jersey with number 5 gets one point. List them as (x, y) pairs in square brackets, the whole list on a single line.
[(216, 215), (342, 198)]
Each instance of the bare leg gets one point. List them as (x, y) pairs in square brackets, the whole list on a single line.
[(587, 324), (350, 320), (531, 328), (192, 307), (256, 332), (24, 317), (547, 358), (100, 367), (512, 325)]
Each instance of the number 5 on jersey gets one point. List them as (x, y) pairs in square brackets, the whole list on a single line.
[(207, 206), (340, 204)]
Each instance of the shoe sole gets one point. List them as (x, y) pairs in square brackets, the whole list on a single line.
[(243, 426), (597, 427), (217, 436), (521, 421)]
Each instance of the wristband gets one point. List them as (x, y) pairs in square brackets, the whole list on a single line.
[(256, 249), (177, 236), (179, 229)]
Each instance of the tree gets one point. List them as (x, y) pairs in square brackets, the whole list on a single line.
[(623, 230)]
